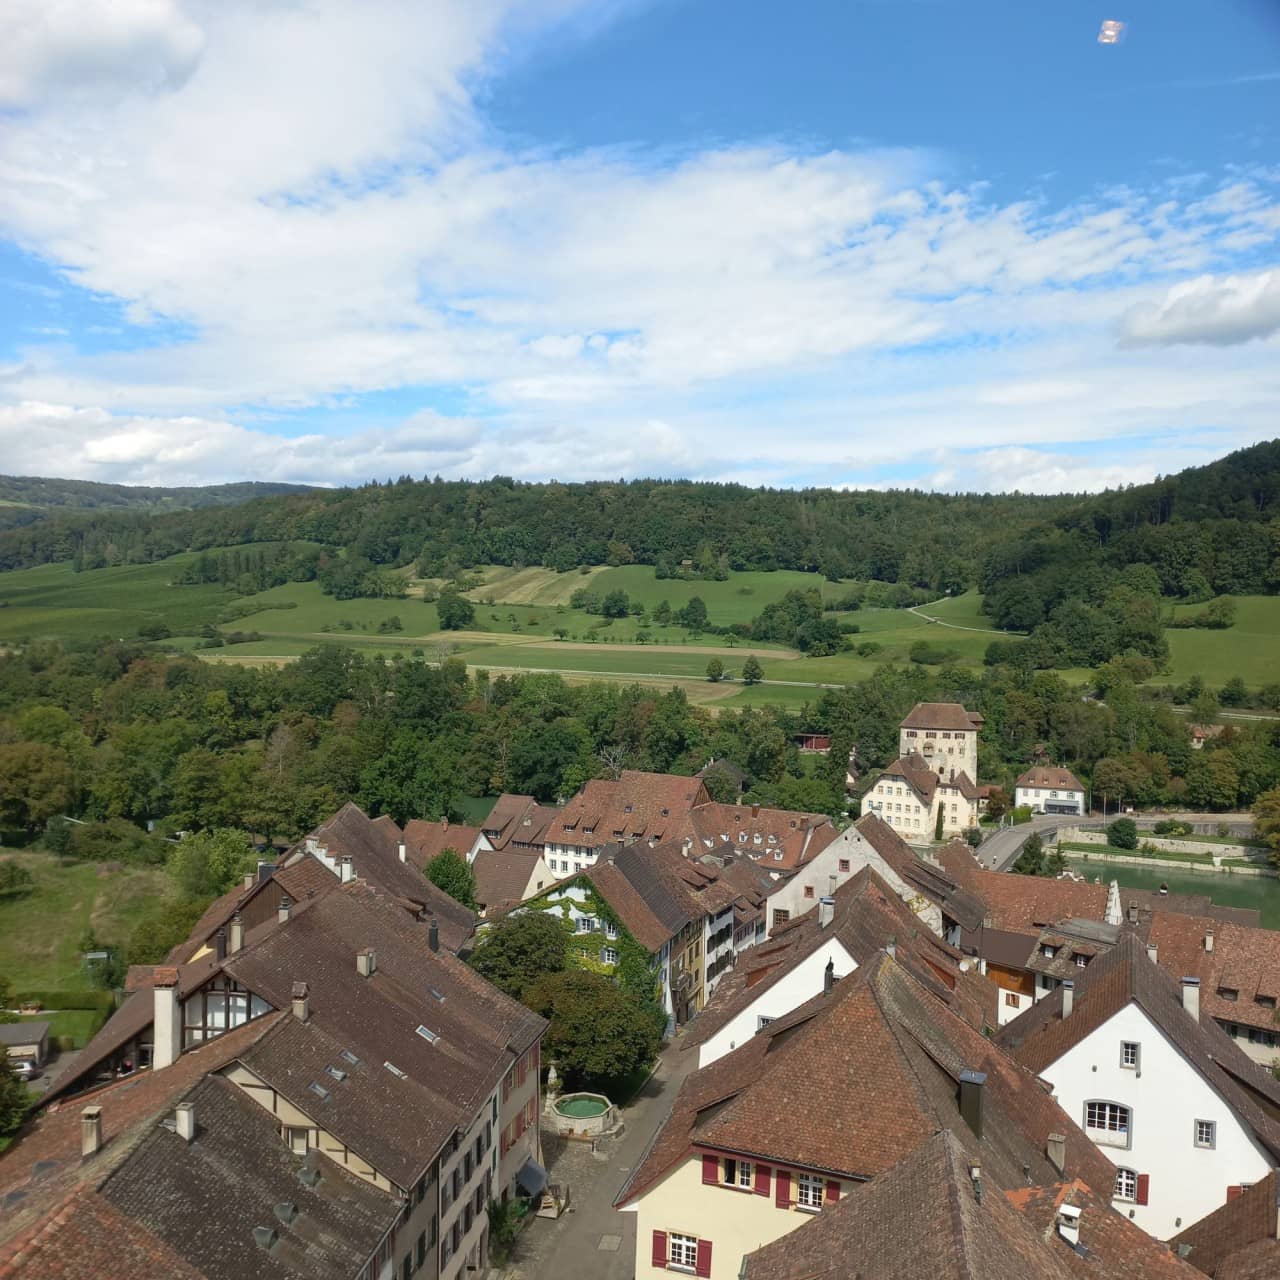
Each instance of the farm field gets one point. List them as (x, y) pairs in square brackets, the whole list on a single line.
[(40, 933)]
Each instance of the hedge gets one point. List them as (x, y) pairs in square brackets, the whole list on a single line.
[(102, 1001)]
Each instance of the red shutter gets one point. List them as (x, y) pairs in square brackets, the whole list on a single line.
[(762, 1179), (703, 1267), (710, 1170), (659, 1248), (833, 1191), (782, 1190), (1144, 1187), (1233, 1193)]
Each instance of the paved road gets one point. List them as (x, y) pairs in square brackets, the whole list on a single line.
[(999, 851), (593, 1241)]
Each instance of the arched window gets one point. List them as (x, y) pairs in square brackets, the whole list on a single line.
[(1107, 1123)]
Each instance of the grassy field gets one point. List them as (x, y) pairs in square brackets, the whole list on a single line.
[(1248, 649), (40, 934), (77, 1025)]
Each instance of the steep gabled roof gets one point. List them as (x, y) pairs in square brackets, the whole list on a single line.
[(204, 1197), (919, 1218), (502, 876), (867, 917), (638, 806), (1239, 1236), (941, 715), (1040, 1036), (931, 880), (786, 838), (426, 840), (916, 774), (852, 1082), (518, 820), (478, 1031)]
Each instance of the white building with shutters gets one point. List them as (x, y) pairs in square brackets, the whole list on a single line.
[(1186, 1118)]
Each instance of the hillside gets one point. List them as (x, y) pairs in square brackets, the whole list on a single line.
[(27, 499)]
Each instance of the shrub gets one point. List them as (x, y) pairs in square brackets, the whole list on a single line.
[(1123, 834)]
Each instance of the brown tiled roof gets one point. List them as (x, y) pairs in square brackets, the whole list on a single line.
[(479, 1031), (916, 774), (798, 837), (637, 915), (44, 1165), (888, 1056), (941, 715), (86, 1238), (1050, 776), (1248, 1220), (216, 914), (931, 880), (638, 806), (205, 1197), (1040, 1035), (503, 875), (866, 918), (1258, 1261), (518, 820), (425, 840), (1112, 1247)]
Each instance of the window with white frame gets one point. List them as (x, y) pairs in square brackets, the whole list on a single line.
[(609, 955), (737, 1173), (1206, 1133), (809, 1191), (1107, 1123), (682, 1250), (762, 1021), (1126, 1185), (1129, 1054), (610, 929)]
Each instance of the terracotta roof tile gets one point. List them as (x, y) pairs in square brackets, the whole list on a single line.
[(1052, 777), (502, 876), (1247, 1220), (941, 715), (426, 840)]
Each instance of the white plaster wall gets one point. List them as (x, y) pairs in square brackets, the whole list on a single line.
[(801, 984), (1006, 1012), (1167, 1095), (1036, 797)]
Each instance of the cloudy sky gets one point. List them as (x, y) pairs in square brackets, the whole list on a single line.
[(847, 242)]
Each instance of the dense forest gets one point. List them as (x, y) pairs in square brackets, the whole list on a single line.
[(1204, 532)]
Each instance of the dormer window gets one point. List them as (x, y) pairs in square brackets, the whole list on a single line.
[(626, 809), (1048, 952), (777, 857), (1267, 1002), (1229, 993)]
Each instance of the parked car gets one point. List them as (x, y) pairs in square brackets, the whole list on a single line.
[(26, 1070)]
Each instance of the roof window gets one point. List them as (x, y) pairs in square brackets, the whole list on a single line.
[(395, 1071), (336, 1072), (436, 995), (320, 1091), (427, 1034), (347, 1056), (1229, 993)]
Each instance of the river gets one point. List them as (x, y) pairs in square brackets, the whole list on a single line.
[(1262, 892)]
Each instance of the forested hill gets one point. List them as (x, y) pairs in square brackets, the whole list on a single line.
[(25, 499), (1219, 520)]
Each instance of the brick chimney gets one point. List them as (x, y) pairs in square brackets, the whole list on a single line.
[(90, 1131), (1191, 997), (755, 810), (301, 1001), (167, 1019)]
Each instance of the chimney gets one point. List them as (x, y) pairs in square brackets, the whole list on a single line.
[(235, 939), (403, 852), (1068, 1224), (828, 977), (220, 944), (345, 870), (1057, 1151), (366, 963), (433, 936), (286, 903), (755, 810), (1133, 913), (249, 878), (301, 1001), (1068, 997), (444, 824), (184, 1120), (167, 1019), (1153, 953), (826, 911), (90, 1131), (971, 1083), (891, 948), (1208, 938), (1191, 997)]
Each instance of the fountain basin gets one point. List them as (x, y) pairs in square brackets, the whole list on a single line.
[(583, 1115)]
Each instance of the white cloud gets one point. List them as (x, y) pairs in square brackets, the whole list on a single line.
[(1219, 310), (310, 196)]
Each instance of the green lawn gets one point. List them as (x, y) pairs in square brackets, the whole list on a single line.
[(78, 1025), (40, 933), (1247, 649)]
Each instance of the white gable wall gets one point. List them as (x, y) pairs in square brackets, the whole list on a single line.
[(802, 983), (1166, 1096)]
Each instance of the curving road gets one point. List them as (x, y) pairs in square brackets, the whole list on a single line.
[(999, 851)]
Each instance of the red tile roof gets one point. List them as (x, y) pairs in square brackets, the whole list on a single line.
[(941, 715), (638, 806), (1245, 1225), (1052, 777), (502, 876), (426, 840)]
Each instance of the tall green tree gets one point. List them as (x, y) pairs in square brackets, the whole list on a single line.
[(211, 862), (521, 949), (752, 671), (449, 871)]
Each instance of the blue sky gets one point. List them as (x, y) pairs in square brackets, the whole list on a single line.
[(855, 242)]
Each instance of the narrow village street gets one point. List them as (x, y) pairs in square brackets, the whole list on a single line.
[(592, 1241)]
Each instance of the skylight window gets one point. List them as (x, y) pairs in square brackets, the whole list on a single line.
[(427, 1034), (336, 1072), (437, 995), (347, 1056), (319, 1090), (395, 1071)]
